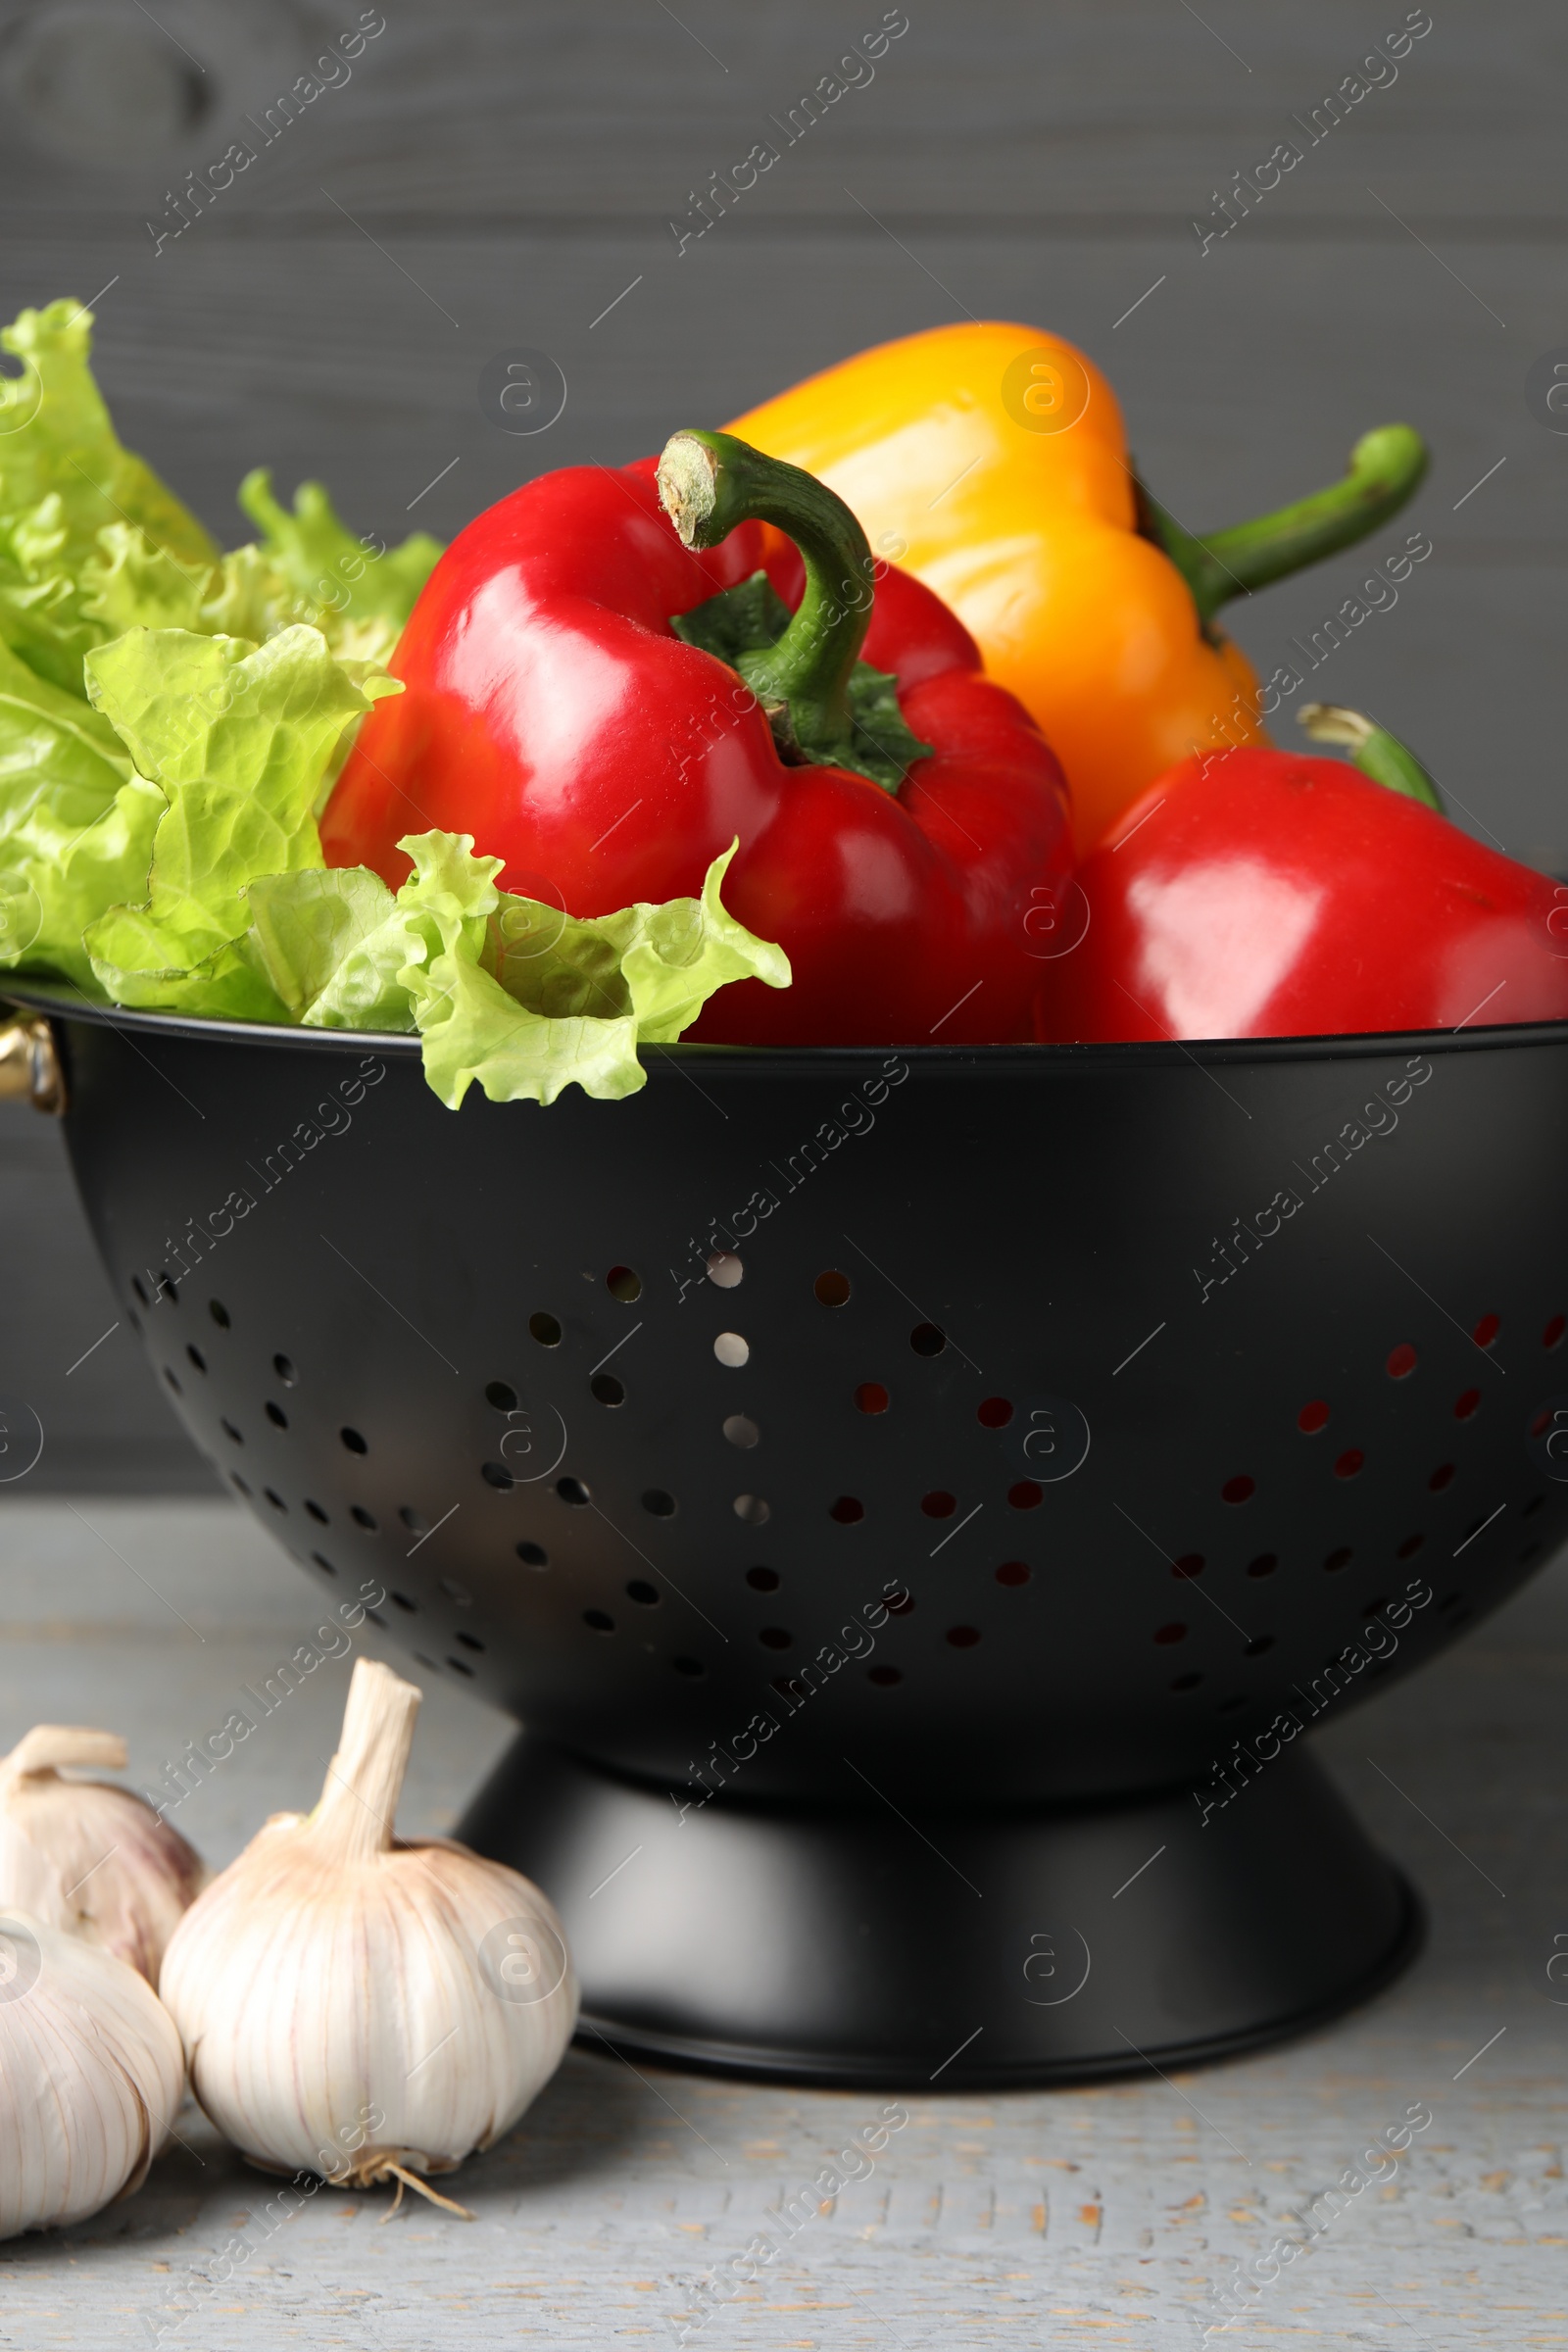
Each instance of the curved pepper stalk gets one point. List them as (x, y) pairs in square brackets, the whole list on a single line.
[(1387, 466), (1373, 750), (825, 706)]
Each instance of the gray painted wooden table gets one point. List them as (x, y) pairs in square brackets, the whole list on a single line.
[(1099, 2217)]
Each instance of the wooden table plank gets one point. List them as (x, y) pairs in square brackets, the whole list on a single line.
[(1083, 2218)]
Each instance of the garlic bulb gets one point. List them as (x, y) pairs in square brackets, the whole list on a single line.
[(92, 2072), (359, 2006), (88, 1857)]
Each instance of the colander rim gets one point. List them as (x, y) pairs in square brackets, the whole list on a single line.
[(60, 1000)]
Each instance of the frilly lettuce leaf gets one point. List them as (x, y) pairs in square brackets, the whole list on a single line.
[(55, 440), (236, 737), (362, 580), (76, 824), (504, 990), (542, 999), (65, 477), (92, 542), (330, 946)]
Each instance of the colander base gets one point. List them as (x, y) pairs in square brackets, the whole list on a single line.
[(893, 1950)]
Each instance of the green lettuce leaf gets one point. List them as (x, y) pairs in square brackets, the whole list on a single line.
[(236, 737), (325, 565), (525, 1000), (76, 824), (92, 543), (65, 477), (331, 945), (503, 990)]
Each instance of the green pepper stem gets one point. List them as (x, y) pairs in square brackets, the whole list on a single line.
[(1385, 466), (1372, 749), (708, 483)]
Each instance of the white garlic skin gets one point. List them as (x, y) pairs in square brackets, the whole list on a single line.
[(339, 2013), (331, 1989), (88, 1857), (92, 2072)]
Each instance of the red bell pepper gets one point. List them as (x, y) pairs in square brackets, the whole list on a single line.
[(896, 831), (1265, 893)]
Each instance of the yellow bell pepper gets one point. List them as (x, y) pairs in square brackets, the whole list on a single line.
[(990, 459)]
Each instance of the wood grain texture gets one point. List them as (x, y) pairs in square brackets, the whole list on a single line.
[(493, 175), (1073, 2219)]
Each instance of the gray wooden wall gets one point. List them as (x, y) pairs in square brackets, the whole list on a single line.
[(494, 174)]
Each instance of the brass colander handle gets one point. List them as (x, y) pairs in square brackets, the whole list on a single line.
[(29, 1066)]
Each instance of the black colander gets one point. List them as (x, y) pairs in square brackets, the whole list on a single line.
[(916, 1503)]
